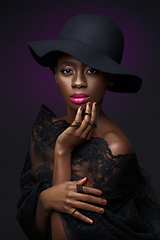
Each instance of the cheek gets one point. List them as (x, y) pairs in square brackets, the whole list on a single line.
[(99, 88), (63, 86)]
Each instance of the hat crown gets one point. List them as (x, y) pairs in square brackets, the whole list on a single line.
[(94, 40), (96, 31)]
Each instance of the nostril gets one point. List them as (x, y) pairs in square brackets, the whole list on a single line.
[(79, 86), (79, 83)]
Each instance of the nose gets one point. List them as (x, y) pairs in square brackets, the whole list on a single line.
[(79, 80)]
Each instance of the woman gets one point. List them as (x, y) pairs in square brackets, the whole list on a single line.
[(81, 178)]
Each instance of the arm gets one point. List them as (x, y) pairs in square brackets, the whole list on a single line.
[(39, 198), (63, 196), (123, 174), (62, 163), (62, 173)]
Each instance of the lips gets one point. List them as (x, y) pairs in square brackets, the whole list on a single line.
[(79, 98)]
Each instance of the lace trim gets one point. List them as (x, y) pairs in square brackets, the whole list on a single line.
[(105, 171), (129, 212)]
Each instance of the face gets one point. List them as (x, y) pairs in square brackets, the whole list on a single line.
[(80, 83)]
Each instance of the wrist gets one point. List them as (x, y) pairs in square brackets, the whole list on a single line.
[(61, 152), (43, 201)]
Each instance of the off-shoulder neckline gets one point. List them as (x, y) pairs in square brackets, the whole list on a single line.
[(104, 140)]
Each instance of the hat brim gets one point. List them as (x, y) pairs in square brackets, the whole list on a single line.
[(43, 52)]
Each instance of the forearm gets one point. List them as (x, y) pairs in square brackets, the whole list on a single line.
[(62, 167), (61, 173), (57, 229), (42, 218)]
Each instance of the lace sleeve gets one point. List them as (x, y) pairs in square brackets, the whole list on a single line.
[(131, 211), (32, 182), (95, 160), (37, 172)]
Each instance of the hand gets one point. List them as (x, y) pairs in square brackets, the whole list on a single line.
[(79, 131), (64, 198)]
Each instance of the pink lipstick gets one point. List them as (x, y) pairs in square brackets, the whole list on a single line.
[(79, 98)]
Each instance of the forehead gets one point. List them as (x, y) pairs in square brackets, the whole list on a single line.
[(64, 58)]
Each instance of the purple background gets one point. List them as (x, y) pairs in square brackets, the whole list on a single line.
[(25, 85)]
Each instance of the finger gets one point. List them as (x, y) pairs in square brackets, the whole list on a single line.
[(87, 114), (85, 122), (92, 120), (93, 113), (88, 190), (82, 217), (87, 195), (82, 181), (90, 198), (78, 117), (92, 191), (88, 207), (77, 121)]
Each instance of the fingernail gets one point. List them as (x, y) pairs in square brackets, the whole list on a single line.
[(84, 178), (90, 221), (100, 192), (101, 210), (80, 108), (89, 104), (104, 201), (95, 104)]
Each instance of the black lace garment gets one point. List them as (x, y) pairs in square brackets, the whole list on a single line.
[(131, 212)]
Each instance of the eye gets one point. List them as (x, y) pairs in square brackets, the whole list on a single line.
[(92, 71), (66, 71)]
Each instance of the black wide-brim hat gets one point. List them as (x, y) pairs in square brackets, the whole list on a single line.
[(94, 40)]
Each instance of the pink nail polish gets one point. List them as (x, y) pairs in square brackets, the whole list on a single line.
[(80, 108), (101, 210), (89, 104), (90, 221), (100, 192), (95, 104), (104, 201)]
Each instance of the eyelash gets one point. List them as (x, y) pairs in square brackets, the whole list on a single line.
[(64, 71), (90, 71)]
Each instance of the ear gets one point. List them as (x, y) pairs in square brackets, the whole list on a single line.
[(112, 79)]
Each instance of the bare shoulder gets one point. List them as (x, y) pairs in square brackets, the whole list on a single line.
[(116, 139), (118, 143)]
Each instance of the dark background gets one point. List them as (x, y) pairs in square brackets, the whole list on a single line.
[(24, 85)]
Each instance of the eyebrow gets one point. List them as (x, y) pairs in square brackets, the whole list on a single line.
[(67, 63)]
